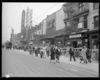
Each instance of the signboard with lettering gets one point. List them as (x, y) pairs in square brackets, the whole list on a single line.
[(75, 36)]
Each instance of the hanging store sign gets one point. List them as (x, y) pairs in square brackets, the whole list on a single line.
[(75, 36)]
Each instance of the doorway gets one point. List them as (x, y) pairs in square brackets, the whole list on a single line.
[(74, 44)]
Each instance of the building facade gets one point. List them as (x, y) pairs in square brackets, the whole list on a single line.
[(60, 28), (50, 28), (94, 25), (28, 23), (23, 29), (12, 38), (77, 24), (81, 24)]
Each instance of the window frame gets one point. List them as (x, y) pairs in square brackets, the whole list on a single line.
[(95, 5), (96, 23), (81, 7), (85, 20)]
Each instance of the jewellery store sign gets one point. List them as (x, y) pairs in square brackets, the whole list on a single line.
[(75, 36)]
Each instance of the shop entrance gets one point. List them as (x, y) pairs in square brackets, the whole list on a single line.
[(95, 41), (74, 44)]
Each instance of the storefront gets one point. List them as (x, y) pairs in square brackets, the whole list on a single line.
[(59, 41), (77, 40), (94, 42)]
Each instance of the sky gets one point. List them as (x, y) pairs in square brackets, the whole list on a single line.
[(11, 15)]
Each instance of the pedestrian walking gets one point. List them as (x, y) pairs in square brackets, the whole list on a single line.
[(30, 50), (52, 55), (44, 51), (57, 54), (36, 52), (72, 55), (48, 51), (41, 53), (88, 55), (83, 54)]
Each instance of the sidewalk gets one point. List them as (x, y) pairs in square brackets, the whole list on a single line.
[(93, 66)]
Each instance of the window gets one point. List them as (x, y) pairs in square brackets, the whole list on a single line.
[(95, 5), (96, 21), (75, 23), (85, 21), (68, 24), (81, 7)]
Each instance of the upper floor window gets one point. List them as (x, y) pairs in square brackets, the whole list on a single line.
[(85, 21), (75, 22), (81, 7), (68, 24), (95, 5), (96, 21)]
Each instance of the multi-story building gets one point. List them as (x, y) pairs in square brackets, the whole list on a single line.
[(16, 39), (77, 23), (55, 28), (60, 28), (12, 38), (28, 23), (50, 28), (23, 22), (44, 27), (23, 29), (94, 25)]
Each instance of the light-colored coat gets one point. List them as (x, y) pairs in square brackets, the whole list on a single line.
[(83, 53)]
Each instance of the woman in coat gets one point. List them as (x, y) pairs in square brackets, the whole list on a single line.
[(52, 55), (88, 55), (58, 53)]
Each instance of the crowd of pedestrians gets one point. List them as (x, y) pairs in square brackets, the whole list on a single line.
[(84, 55), (54, 52)]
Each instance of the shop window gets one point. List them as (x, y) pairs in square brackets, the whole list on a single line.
[(95, 5), (96, 21), (95, 44)]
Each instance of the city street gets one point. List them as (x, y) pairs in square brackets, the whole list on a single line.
[(17, 63)]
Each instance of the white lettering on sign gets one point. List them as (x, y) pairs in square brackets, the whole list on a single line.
[(75, 36)]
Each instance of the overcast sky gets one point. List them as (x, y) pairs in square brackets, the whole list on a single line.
[(11, 15)]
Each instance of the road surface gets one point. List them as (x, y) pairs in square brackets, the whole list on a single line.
[(20, 64)]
